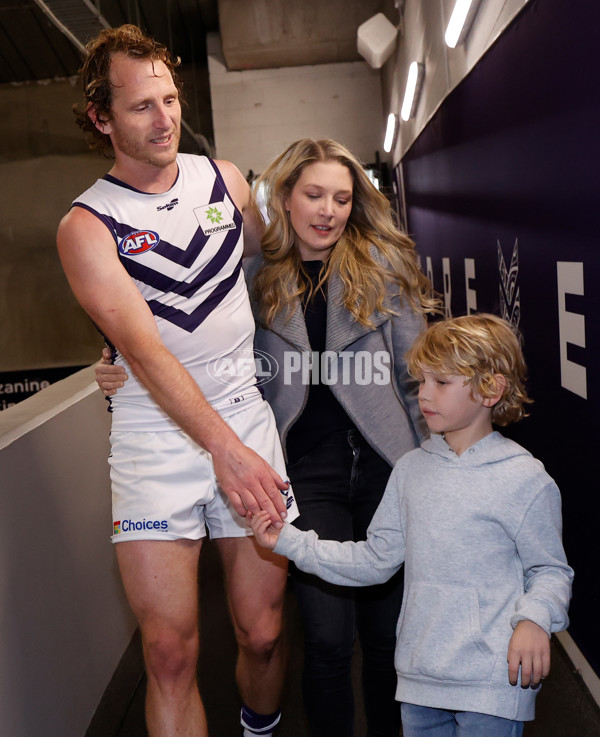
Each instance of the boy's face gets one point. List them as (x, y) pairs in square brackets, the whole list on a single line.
[(450, 408)]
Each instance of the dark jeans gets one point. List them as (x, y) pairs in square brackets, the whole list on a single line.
[(338, 486)]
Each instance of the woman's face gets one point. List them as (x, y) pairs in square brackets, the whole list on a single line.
[(319, 207)]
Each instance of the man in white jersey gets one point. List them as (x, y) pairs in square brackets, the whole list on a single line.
[(153, 253)]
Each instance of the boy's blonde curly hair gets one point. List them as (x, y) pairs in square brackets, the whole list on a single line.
[(478, 347)]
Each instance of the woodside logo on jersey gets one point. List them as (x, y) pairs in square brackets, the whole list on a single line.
[(138, 241)]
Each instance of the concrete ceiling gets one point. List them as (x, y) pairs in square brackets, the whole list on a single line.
[(33, 48), (259, 34), (255, 33)]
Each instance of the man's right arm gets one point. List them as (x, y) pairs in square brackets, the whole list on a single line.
[(109, 296)]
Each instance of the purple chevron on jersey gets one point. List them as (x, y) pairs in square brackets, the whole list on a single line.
[(219, 185), (191, 321), (181, 257), (164, 283)]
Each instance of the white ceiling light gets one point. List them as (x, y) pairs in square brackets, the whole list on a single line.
[(414, 82), (460, 22), (390, 133)]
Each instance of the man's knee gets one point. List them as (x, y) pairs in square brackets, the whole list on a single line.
[(261, 638), (170, 655)]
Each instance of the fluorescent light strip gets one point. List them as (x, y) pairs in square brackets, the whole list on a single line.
[(390, 132), (412, 82), (457, 22)]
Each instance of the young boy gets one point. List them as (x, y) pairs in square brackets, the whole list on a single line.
[(477, 522)]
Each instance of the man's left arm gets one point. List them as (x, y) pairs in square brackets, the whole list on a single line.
[(241, 193)]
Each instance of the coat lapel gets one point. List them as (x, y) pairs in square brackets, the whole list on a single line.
[(292, 330), (342, 329)]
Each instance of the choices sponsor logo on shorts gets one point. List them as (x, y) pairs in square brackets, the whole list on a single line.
[(131, 525), (243, 362), (329, 367)]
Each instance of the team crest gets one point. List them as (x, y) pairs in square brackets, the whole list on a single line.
[(214, 218)]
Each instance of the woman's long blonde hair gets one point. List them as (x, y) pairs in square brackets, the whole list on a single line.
[(366, 278)]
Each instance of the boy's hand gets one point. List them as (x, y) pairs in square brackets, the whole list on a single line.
[(264, 532), (529, 648)]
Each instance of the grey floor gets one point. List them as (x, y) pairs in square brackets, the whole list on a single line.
[(564, 707)]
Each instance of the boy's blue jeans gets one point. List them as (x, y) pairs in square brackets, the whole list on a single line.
[(421, 721)]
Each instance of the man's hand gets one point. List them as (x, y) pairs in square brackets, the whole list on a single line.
[(249, 481), (108, 376), (264, 532), (529, 648)]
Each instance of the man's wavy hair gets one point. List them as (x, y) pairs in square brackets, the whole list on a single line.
[(478, 347), (372, 257), (97, 89)]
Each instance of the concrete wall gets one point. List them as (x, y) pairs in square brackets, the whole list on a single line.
[(257, 113), (64, 621), (44, 164), (41, 324)]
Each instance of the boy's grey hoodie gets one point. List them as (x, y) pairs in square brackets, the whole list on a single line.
[(480, 535)]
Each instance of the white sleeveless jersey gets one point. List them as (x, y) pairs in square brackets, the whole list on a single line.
[(183, 250)]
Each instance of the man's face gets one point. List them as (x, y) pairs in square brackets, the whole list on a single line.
[(146, 114)]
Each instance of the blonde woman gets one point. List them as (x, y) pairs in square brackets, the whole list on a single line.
[(338, 299)]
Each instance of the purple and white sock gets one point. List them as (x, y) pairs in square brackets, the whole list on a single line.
[(258, 724)]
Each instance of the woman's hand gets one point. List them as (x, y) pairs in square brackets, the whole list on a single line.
[(108, 376)]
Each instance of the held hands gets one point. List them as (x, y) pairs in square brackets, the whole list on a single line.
[(249, 481), (264, 532), (108, 376), (529, 648)]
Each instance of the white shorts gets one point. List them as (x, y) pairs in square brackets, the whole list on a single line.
[(164, 486)]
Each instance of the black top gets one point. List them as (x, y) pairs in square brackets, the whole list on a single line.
[(322, 414)]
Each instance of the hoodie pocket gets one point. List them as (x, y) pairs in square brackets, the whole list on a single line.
[(439, 635)]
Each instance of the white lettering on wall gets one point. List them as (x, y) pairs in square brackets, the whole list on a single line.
[(447, 287), (471, 293), (571, 327), (429, 272)]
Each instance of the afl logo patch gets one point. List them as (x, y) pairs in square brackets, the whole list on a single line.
[(138, 241)]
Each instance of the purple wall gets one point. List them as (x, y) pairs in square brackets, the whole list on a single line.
[(504, 183)]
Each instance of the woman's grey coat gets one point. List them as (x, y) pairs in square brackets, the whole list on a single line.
[(386, 412)]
